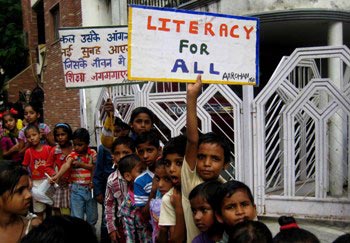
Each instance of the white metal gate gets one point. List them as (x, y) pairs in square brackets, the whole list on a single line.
[(301, 155), (290, 143)]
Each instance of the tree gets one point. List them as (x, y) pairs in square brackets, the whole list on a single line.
[(12, 50)]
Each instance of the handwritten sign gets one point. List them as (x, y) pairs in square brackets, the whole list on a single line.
[(94, 56), (176, 45)]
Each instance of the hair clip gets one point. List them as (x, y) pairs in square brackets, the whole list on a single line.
[(13, 111), (62, 125), (289, 226)]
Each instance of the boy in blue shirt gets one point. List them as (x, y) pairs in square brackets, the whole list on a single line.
[(149, 150)]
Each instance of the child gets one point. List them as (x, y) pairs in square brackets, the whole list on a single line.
[(15, 200), (148, 150), (291, 233), (32, 117), (202, 206), (116, 189), (163, 184), (204, 159), (81, 161), (60, 229), (141, 120), (250, 232), (36, 159), (171, 219), (9, 143), (130, 167), (234, 203), (63, 136)]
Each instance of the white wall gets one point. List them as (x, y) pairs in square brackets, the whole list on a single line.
[(94, 13), (258, 6)]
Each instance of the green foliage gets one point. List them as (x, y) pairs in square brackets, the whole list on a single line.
[(12, 51)]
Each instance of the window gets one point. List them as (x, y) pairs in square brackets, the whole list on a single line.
[(55, 13)]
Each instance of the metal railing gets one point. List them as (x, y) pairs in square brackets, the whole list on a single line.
[(159, 3)]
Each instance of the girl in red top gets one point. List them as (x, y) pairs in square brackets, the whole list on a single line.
[(63, 136), (36, 160)]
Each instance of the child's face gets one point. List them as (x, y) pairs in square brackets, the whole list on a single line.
[(141, 123), (9, 122), (236, 208), (119, 132), (80, 146), (61, 137), (135, 172), (30, 115), (203, 214), (148, 153), (173, 164), (119, 152), (163, 179), (33, 137), (18, 202), (210, 161)]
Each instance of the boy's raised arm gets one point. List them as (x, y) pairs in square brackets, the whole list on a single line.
[(193, 91)]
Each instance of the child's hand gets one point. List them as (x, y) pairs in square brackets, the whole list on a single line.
[(76, 164), (193, 90), (114, 235), (99, 198), (108, 106), (154, 188), (54, 179), (175, 199)]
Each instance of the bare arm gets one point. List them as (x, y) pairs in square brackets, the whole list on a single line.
[(63, 169), (193, 91), (178, 232), (8, 152)]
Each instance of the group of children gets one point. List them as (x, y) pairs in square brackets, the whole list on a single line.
[(153, 194)]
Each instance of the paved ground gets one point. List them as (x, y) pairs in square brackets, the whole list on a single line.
[(326, 231)]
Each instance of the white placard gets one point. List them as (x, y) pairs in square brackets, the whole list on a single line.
[(175, 45), (93, 56)]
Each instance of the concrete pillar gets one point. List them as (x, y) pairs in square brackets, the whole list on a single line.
[(247, 156), (119, 12), (335, 124)]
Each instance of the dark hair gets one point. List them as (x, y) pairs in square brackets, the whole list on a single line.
[(342, 239), (30, 127), (140, 110), (227, 190), (127, 163), (159, 163), (148, 137), (82, 134), (176, 145), (214, 138), (37, 107), (65, 127), (250, 232), (293, 234), (61, 229), (10, 174), (118, 122), (125, 141), (7, 113), (206, 190)]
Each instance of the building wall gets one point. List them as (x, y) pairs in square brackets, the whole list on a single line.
[(61, 104), (26, 79), (260, 6), (21, 82), (94, 13)]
